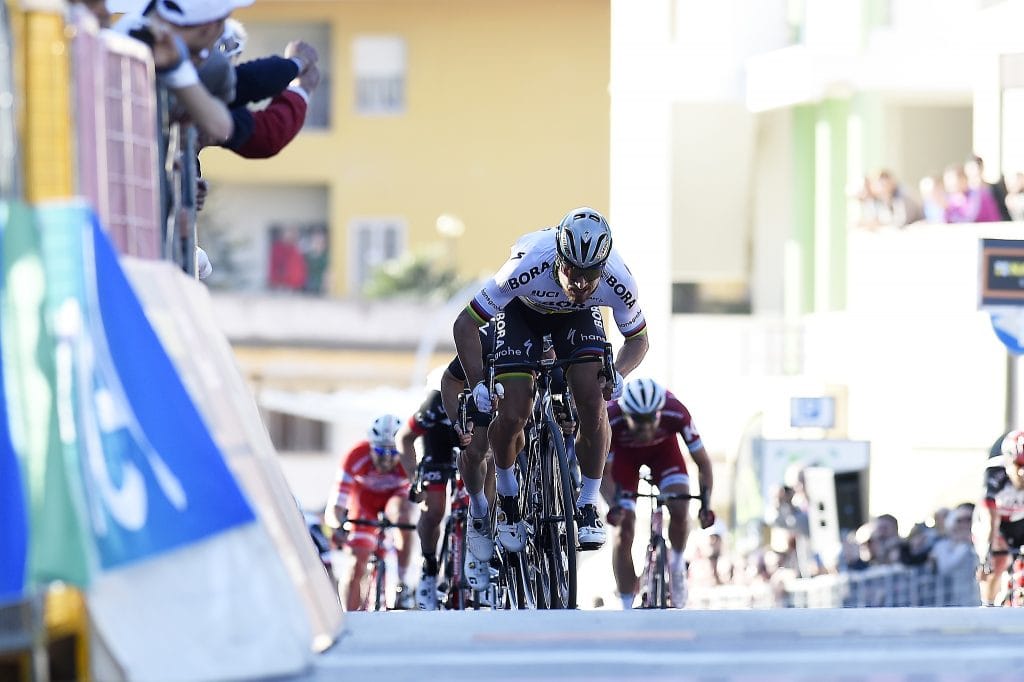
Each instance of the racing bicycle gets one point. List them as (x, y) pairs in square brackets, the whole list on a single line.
[(543, 575), (654, 588), (453, 591), (376, 567)]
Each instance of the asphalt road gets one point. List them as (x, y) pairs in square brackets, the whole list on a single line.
[(823, 645)]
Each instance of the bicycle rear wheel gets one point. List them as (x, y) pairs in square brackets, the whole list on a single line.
[(661, 577), (558, 541), (377, 583)]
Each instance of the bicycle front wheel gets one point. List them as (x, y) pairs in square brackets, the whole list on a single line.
[(558, 540)]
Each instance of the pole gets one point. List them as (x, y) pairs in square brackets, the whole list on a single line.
[(1012, 378)]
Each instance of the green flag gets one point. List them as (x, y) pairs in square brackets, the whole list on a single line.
[(58, 544)]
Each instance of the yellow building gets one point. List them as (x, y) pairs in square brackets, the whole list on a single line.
[(493, 114)]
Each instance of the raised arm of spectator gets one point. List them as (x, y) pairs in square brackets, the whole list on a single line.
[(262, 134), (266, 77)]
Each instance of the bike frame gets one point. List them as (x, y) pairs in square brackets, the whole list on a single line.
[(544, 574), (1015, 579), (653, 583), (376, 566)]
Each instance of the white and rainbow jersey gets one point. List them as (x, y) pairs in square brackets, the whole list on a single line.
[(529, 274)]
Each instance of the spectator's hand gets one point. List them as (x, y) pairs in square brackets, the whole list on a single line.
[(614, 516), (169, 49), (309, 80), (339, 536), (304, 52), (202, 187), (706, 517), (204, 268)]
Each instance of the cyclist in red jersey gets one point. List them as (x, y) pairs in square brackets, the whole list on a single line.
[(371, 480), (645, 423), (1004, 503)]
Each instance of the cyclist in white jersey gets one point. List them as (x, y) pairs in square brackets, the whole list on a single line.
[(554, 282)]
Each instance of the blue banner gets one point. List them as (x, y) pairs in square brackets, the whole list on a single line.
[(154, 478), (13, 519)]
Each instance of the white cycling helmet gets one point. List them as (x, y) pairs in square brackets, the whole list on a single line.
[(642, 396), (382, 432), (584, 239), (1013, 448)]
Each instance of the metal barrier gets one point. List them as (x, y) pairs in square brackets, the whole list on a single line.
[(877, 586)]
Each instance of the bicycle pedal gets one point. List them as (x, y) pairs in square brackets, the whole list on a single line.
[(590, 546)]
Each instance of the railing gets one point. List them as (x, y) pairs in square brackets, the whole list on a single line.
[(874, 587)]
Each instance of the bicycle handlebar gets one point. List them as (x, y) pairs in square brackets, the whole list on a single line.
[(381, 524), (547, 365), (664, 497)]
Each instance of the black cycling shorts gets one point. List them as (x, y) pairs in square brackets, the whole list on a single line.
[(1013, 533), (517, 333)]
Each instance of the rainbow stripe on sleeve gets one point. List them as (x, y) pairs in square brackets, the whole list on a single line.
[(639, 331), (481, 316)]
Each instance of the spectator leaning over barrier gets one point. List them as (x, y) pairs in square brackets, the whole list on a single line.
[(287, 81), (181, 33)]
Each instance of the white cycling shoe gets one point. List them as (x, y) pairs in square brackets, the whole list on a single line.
[(477, 572), (591, 533), (510, 528), (426, 593), (479, 542)]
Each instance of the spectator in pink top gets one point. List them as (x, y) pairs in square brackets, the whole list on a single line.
[(968, 202)]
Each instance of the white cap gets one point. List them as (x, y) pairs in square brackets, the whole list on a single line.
[(181, 12)]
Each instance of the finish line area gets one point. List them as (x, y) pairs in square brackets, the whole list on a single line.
[(941, 644)]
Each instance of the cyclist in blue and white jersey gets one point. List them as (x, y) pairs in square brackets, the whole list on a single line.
[(554, 282)]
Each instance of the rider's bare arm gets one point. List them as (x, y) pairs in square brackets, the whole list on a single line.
[(631, 354), (467, 342), (704, 475), (406, 439)]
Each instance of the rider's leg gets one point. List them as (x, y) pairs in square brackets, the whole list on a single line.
[(474, 467), (429, 526), (993, 582), (404, 510), (622, 555), (678, 519), (594, 435), (356, 577), (506, 432), (506, 437)]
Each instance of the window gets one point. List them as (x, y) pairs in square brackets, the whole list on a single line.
[(372, 242), (263, 237), (379, 65), (711, 298)]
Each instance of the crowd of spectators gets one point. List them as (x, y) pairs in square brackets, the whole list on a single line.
[(959, 194), (937, 549)]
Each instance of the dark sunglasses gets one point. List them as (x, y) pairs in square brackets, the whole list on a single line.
[(572, 272), (385, 452)]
